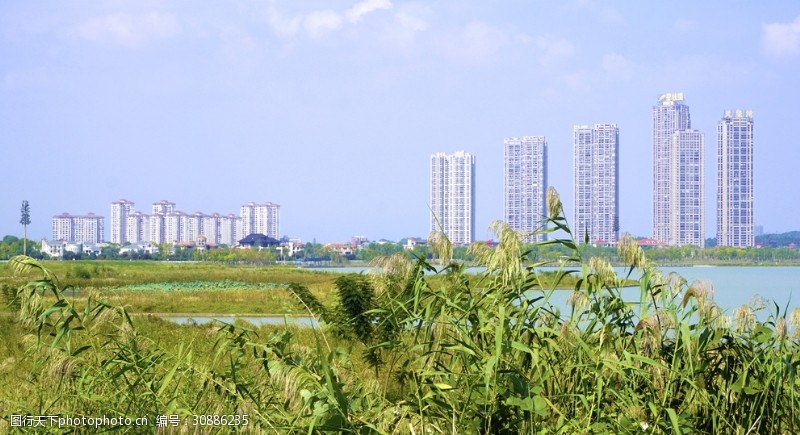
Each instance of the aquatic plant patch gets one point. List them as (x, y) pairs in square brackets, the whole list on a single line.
[(199, 286)]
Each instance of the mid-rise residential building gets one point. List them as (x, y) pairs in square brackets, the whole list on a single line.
[(175, 227), (158, 227), (62, 227), (137, 227), (163, 207), (169, 225), (452, 196), (211, 228), (525, 184), (735, 224), (678, 187), (260, 219), (596, 183), (119, 220), (194, 227), (227, 229), (89, 228)]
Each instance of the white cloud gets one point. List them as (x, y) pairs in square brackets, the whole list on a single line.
[(319, 23), (365, 7), (554, 48), (477, 41), (411, 21), (779, 39), (316, 24), (617, 65), (283, 26), (483, 39), (408, 22), (130, 30)]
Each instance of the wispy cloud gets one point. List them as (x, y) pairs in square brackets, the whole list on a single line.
[(781, 39), (617, 65), (477, 41), (355, 13), (553, 48), (319, 23), (127, 29), (283, 26), (408, 22)]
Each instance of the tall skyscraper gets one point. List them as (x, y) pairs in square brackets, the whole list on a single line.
[(453, 196), (525, 184), (119, 220), (735, 224), (678, 216), (596, 175), (687, 192)]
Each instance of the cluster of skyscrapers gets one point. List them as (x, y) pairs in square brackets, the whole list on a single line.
[(166, 224), (678, 182)]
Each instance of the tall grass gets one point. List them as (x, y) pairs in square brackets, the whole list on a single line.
[(424, 349)]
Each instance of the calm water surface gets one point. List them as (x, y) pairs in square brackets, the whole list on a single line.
[(253, 320), (733, 286)]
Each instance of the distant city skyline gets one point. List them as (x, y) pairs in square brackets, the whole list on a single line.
[(167, 224), (329, 109)]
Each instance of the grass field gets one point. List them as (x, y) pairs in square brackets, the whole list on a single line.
[(163, 287)]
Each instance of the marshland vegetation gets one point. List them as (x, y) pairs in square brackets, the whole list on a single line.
[(418, 349)]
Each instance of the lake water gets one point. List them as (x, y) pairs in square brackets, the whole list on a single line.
[(733, 286), (304, 321)]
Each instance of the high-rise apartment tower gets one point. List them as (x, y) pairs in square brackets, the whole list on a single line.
[(453, 196), (596, 183), (678, 188), (525, 184), (119, 220), (735, 224)]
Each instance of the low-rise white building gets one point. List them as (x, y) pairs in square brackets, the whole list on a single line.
[(140, 247)]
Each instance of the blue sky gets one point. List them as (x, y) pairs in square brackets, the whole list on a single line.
[(332, 108)]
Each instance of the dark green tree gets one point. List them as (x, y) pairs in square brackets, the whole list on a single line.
[(25, 220)]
